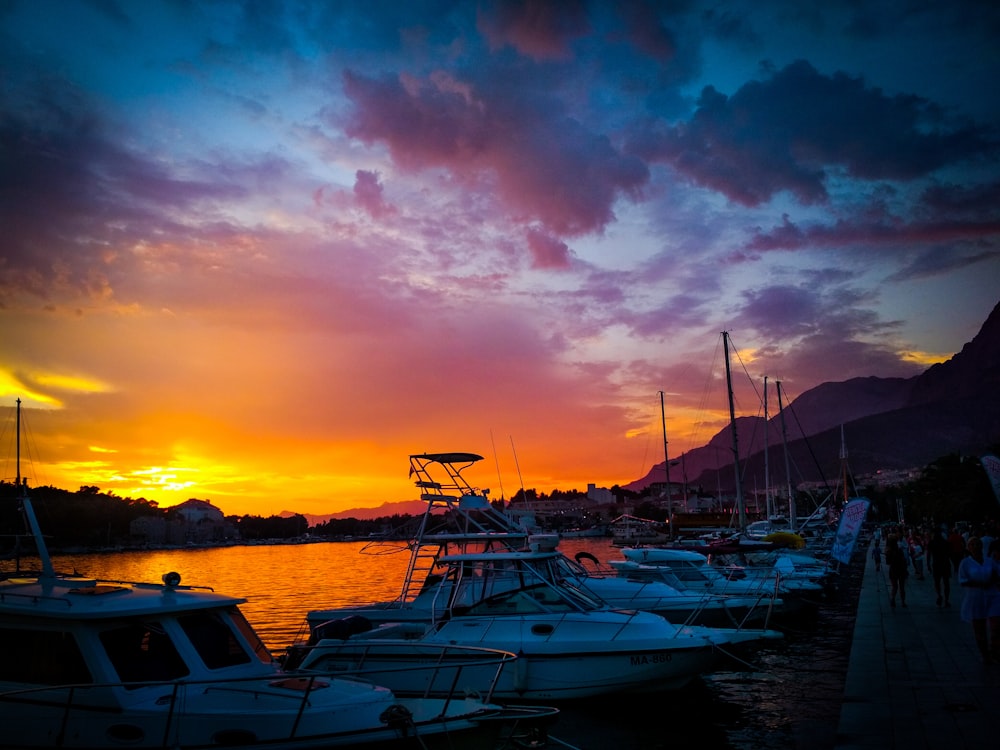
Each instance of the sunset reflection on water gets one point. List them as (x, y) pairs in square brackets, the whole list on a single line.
[(280, 582)]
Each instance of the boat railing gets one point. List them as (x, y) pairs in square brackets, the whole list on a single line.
[(440, 674), (154, 585), (703, 600), (93, 698), (443, 679), (766, 593), (763, 599), (759, 599)]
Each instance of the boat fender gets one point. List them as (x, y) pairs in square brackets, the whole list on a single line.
[(584, 555)]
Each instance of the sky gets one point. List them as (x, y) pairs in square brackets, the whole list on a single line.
[(260, 252)]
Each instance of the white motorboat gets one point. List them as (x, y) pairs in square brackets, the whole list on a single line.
[(628, 530), (459, 518), (791, 566), (568, 645), (693, 571), (474, 579), (692, 606), (104, 664)]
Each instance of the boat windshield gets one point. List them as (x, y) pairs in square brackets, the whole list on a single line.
[(497, 579), (42, 657), (572, 579), (213, 639), (530, 600), (246, 629), (657, 573), (143, 652)]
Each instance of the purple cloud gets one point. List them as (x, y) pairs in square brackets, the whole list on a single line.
[(784, 133), (870, 231), (802, 329), (368, 193), (547, 251), (74, 202), (546, 166), (537, 29)]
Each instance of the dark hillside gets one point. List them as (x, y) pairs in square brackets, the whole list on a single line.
[(889, 423)]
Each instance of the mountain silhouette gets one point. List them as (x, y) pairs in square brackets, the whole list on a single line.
[(887, 423)]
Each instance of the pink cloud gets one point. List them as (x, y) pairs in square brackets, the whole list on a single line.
[(547, 251), (368, 193), (648, 32), (535, 28), (544, 165)]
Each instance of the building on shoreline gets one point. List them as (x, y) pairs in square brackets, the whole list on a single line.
[(191, 522)]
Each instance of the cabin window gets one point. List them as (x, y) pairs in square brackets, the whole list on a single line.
[(259, 649), (143, 652), (529, 600), (42, 657), (213, 639)]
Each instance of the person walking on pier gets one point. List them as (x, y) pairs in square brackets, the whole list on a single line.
[(895, 559), (915, 543), (939, 566), (976, 577), (958, 545)]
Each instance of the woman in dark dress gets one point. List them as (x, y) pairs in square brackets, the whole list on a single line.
[(895, 560), (939, 563)]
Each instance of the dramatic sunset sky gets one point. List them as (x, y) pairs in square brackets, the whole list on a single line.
[(260, 252)]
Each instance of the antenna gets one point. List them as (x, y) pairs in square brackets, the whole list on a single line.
[(524, 494), (666, 466), (496, 461)]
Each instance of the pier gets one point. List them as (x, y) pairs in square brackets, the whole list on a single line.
[(915, 678)]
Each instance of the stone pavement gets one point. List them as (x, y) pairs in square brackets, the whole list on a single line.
[(915, 679)]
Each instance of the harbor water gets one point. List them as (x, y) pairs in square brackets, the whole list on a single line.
[(785, 695)]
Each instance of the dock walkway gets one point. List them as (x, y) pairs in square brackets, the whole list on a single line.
[(915, 679)]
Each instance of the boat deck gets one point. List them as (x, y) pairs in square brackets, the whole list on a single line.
[(915, 678)]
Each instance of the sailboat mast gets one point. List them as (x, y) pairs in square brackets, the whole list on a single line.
[(684, 478), (17, 440), (732, 424), (767, 477), (28, 510), (524, 492), (843, 464), (792, 520), (666, 465)]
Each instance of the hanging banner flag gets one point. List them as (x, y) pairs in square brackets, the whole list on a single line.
[(850, 525), (992, 466)]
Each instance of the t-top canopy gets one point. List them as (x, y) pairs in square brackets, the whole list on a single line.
[(449, 458)]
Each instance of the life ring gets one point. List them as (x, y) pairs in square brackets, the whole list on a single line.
[(584, 555)]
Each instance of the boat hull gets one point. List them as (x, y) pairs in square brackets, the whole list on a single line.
[(383, 721), (546, 675), (558, 657)]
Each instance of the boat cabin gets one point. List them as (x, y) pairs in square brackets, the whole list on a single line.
[(120, 637)]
